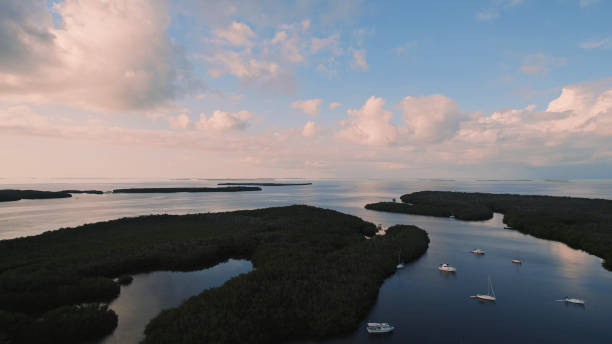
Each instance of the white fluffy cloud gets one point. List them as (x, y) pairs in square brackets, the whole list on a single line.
[(242, 65), (236, 34), (132, 66), (223, 121), (308, 106), (310, 129), (181, 121), (431, 119), (370, 124)]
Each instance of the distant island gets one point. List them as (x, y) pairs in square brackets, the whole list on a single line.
[(174, 190), (266, 184), (316, 275), (581, 223), (15, 195)]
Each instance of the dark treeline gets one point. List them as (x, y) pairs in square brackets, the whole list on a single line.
[(15, 195), (173, 190), (580, 223), (266, 184), (316, 275)]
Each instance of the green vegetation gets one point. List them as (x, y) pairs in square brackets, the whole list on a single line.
[(315, 275), (580, 223), (173, 190), (266, 184)]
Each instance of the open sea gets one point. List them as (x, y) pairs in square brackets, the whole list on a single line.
[(424, 304)]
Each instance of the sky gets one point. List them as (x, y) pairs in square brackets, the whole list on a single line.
[(311, 89)]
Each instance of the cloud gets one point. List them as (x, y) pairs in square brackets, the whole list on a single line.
[(85, 63), (334, 105), (308, 106), (495, 8), (224, 121), (359, 60), (540, 64), (242, 65), (431, 119), (310, 129), (604, 43), (331, 43), (369, 125), (181, 121), (236, 33)]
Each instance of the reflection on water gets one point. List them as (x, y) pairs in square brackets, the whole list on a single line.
[(426, 306), (152, 292)]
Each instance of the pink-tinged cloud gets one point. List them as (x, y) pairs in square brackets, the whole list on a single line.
[(308, 106), (223, 121), (134, 65), (310, 129), (370, 124), (431, 119)]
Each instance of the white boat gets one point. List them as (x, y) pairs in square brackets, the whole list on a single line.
[(517, 261), (571, 300), (489, 296), (399, 260), (478, 251), (379, 328), (446, 268)]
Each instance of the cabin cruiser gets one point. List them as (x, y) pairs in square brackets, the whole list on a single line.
[(446, 268), (571, 300), (517, 261), (379, 328), (478, 251)]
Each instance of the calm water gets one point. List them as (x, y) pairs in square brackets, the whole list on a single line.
[(149, 293), (425, 305)]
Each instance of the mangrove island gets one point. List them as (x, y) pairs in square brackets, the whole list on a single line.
[(175, 190), (317, 274), (581, 223), (266, 184), (9, 195)]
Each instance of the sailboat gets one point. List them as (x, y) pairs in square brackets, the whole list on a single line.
[(399, 260), (489, 296), (571, 300)]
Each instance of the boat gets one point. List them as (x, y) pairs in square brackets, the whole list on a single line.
[(478, 251), (517, 261), (379, 328), (399, 260), (506, 227), (489, 296), (571, 300), (446, 268)]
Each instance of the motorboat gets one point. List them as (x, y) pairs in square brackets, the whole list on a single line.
[(489, 296), (478, 251), (446, 268), (517, 261), (571, 300), (379, 328)]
